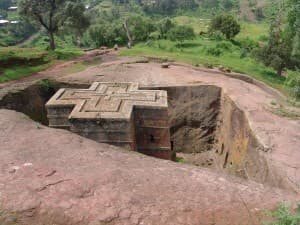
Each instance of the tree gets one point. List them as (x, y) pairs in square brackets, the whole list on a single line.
[(167, 6), (138, 28), (51, 14), (282, 48), (294, 26), (107, 34), (164, 26), (77, 24), (4, 4), (226, 24), (181, 33)]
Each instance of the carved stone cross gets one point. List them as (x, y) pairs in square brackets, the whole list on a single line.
[(115, 113)]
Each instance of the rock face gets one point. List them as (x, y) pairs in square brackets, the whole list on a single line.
[(50, 176), (53, 176), (115, 113), (193, 114)]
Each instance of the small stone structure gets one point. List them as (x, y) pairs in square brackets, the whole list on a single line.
[(115, 113)]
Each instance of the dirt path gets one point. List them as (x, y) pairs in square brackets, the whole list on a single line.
[(55, 71), (29, 39)]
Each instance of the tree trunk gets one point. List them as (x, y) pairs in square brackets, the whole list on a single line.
[(78, 40), (125, 26), (279, 71), (52, 42)]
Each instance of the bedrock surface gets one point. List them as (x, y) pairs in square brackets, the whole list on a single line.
[(54, 176)]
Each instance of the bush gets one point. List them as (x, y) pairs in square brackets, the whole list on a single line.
[(293, 81), (247, 44), (45, 85), (217, 36), (214, 51), (154, 35), (244, 53), (181, 33), (224, 45), (283, 216), (263, 38), (226, 24), (208, 65)]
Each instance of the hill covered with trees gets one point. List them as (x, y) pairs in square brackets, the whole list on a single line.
[(256, 37)]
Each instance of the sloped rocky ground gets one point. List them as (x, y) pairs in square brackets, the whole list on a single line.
[(60, 178), (50, 176)]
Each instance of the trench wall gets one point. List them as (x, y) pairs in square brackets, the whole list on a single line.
[(206, 126)]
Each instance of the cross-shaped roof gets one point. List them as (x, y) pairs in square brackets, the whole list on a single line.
[(107, 100)]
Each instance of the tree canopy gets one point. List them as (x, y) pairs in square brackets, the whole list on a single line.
[(181, 33), (53, 15), (226, 24), (4, 4), (283, 47)]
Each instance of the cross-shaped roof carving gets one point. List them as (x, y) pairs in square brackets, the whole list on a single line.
[(107, 100)]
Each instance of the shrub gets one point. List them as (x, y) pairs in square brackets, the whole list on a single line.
[(45, 85), (154, 35), (208, 65), (293, 81), (244, 53), (224, 45), (226, 24), (214, 51), (247, 44), (181, 33), (263, 38), (283, 216), (217, 36)]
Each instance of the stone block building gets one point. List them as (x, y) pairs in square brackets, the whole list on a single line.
[(115, 113)]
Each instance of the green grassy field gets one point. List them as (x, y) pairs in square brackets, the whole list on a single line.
[(213, 53), (255, 31), (20, 62), (198, 24)]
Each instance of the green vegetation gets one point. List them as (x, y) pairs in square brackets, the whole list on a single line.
[(45, 85), (17, 30), (283, 47), (19, 62), (55, 15), (202, 51), (181, 33), (283, 216), (193, 31), (293, 81), (226, 24), (179, 160), (254, 31), (10, 55)]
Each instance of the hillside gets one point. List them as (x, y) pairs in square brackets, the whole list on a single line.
[(15, 30)]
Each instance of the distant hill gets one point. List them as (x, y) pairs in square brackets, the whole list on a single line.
[(251, 10)]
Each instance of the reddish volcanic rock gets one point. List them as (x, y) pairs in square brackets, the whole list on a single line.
[(57, 177)]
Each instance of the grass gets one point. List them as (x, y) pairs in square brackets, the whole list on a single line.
[(21, 62), (283, 215), (11, 53), (198, 24), (18, 72), (205, 52), (254, 31)]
